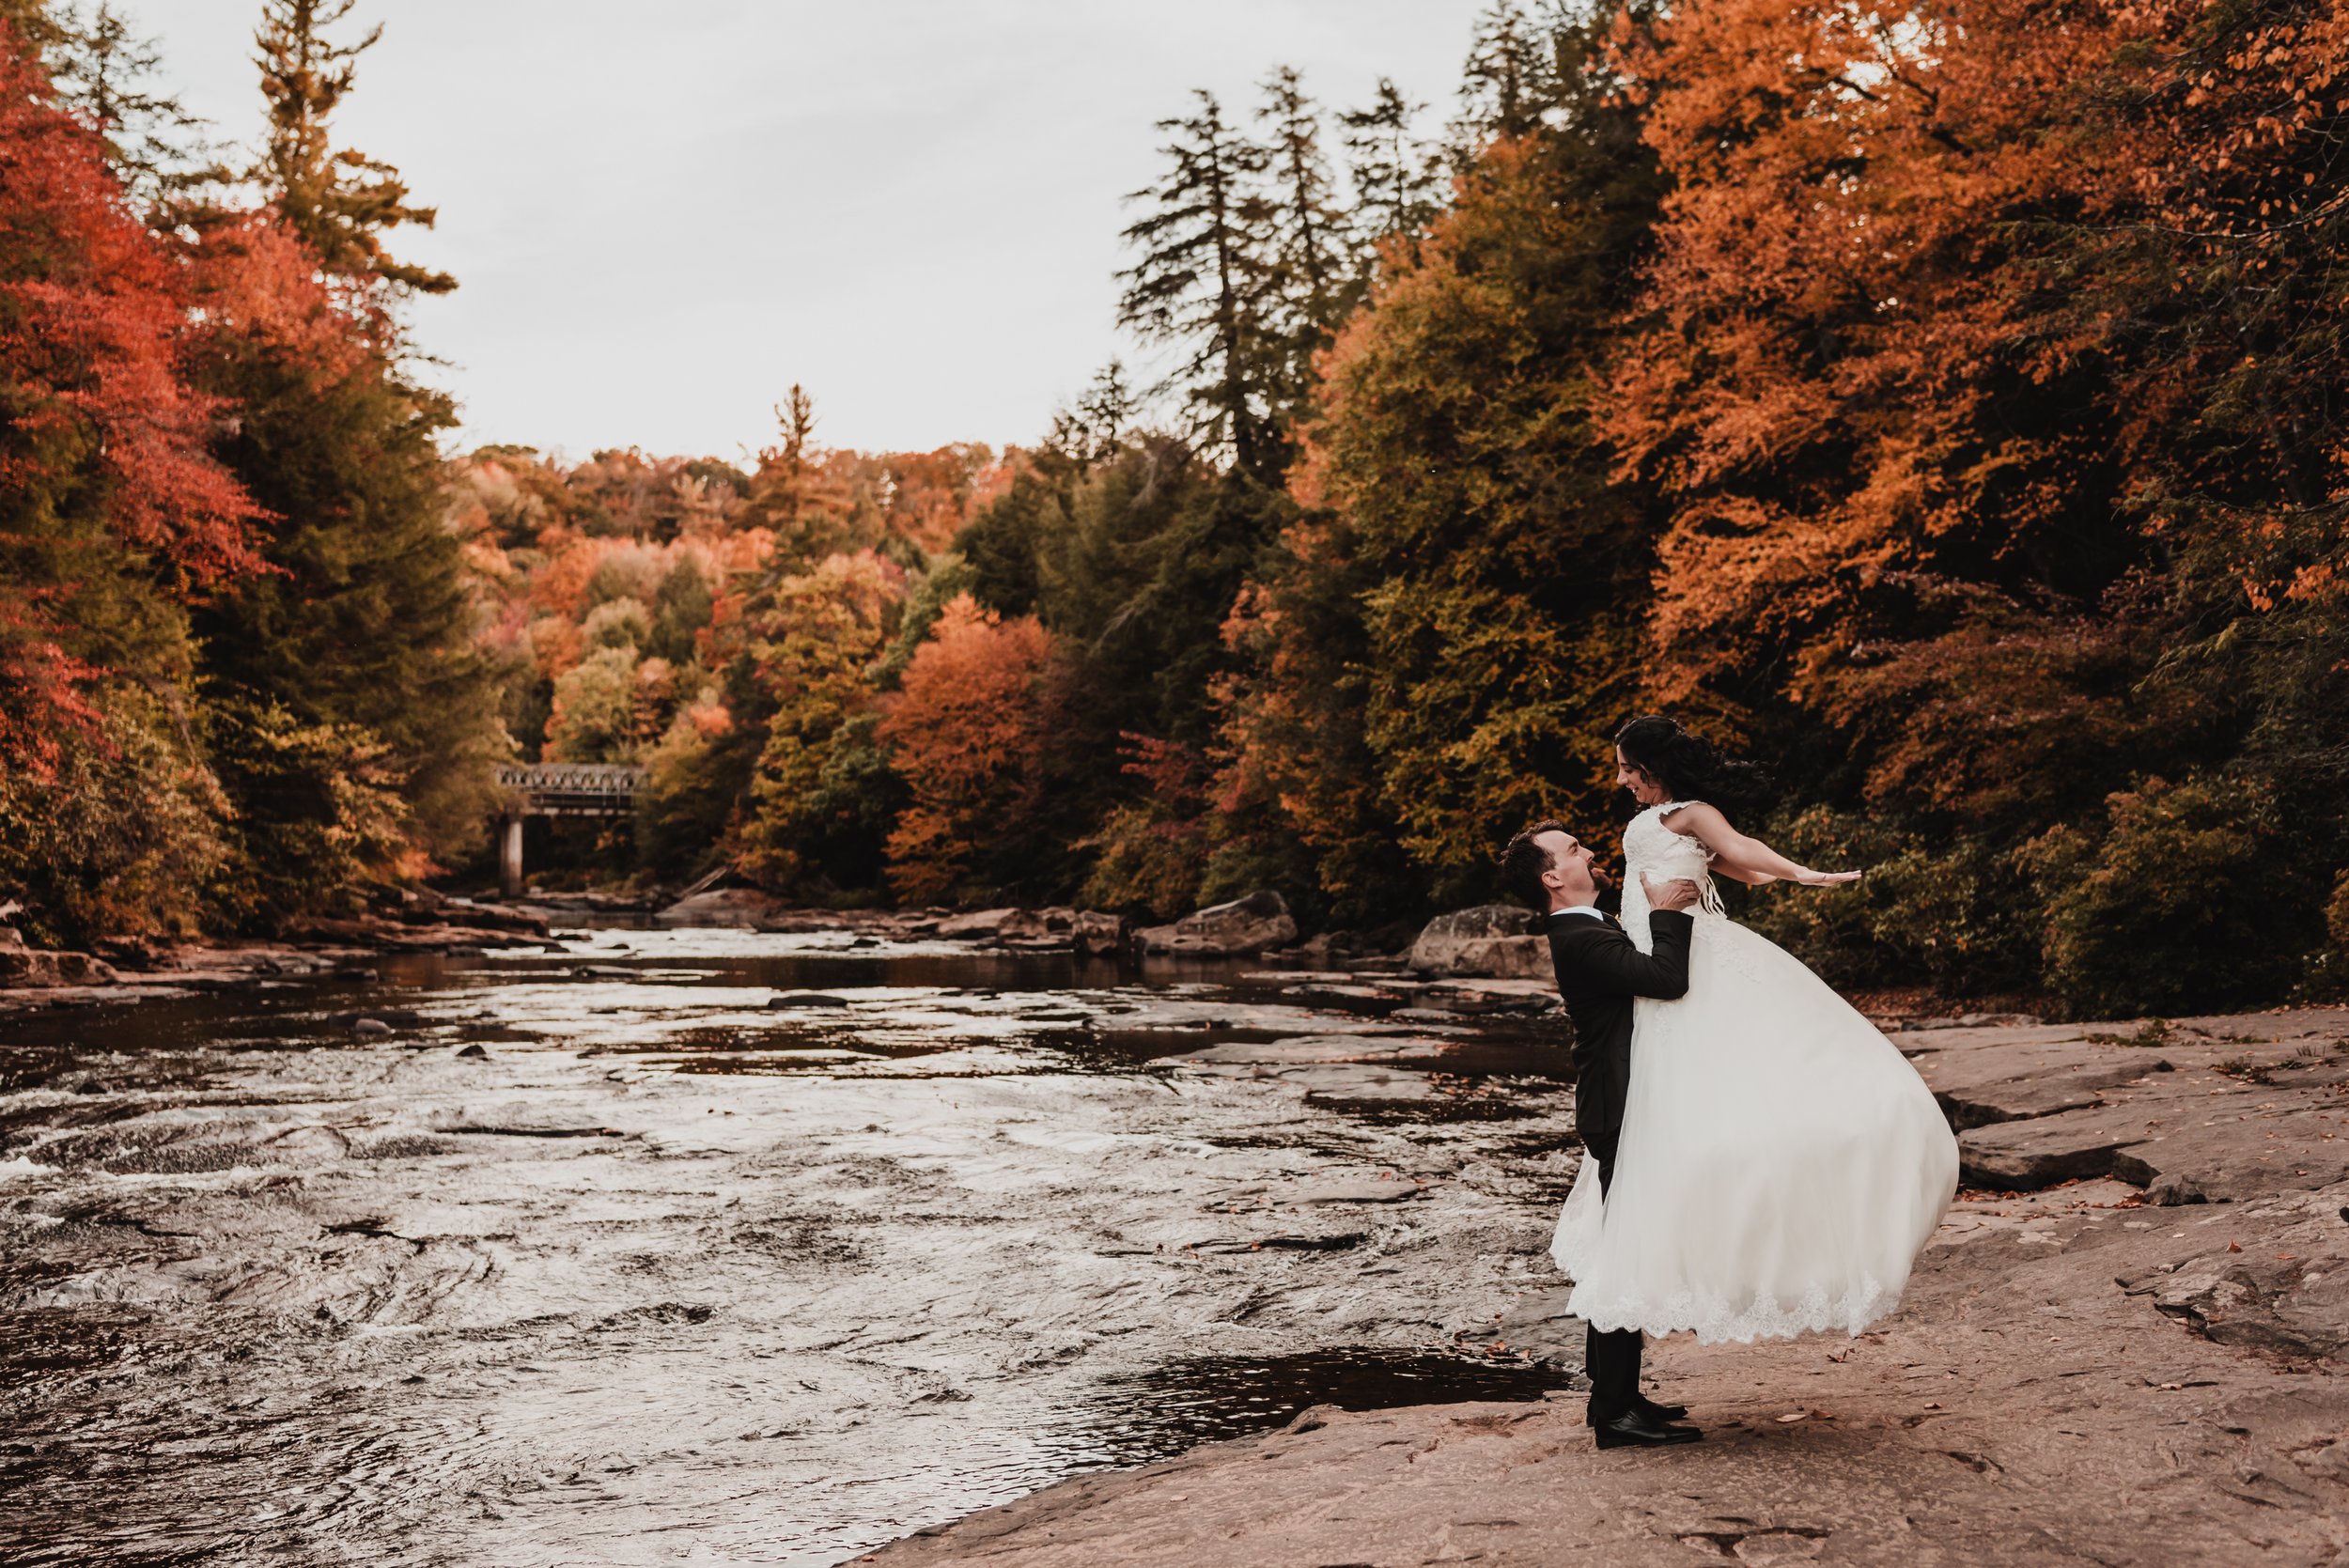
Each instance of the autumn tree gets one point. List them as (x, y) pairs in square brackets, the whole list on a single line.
[(1963, 385), (821, 797), (970, 733), (113, 518)]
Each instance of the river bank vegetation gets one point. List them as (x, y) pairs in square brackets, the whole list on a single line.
[(1945, 405)]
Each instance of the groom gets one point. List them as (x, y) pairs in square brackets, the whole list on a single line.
[(1599, 972)]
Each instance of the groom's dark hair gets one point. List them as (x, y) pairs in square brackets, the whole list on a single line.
[(1523, 862)]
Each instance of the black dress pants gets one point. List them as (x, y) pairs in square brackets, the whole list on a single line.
[(1610, 1357)]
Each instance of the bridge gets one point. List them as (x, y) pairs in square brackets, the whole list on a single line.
[(559, 789)]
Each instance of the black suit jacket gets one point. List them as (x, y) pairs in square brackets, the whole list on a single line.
[(1599, 972)]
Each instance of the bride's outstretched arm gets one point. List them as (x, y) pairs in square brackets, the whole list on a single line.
[(1748, 859)]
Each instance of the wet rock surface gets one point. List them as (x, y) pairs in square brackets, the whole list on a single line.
[(2132, 1354), (593, 1253)]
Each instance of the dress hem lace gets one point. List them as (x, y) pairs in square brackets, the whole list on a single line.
[(1716, 1322)]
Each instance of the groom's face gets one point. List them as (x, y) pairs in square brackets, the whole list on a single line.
[(1572, 873)]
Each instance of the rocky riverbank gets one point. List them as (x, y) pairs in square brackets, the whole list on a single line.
[(2126, 1346), (1456, 953)]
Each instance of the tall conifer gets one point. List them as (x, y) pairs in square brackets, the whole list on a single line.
[(366, 624), (158, 149), (339, 203), (1205, 278), (1512, 77), (1313, 279), (1395, 178)]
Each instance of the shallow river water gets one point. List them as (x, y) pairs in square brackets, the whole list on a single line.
[(709, 1247)]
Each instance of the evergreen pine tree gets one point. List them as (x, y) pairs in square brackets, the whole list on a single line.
[(1313, 279), (1510, 78), (1205, 280), (1395, 178), (1106, 411), (1466, 511), (339, 203), (156, 147), (367, 623)]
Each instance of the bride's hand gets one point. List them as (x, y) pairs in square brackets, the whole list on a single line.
[(1828, 878)]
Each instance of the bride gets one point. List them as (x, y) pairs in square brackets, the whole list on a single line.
[(1781, 1163)]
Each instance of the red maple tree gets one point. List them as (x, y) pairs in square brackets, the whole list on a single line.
[(103, 459)]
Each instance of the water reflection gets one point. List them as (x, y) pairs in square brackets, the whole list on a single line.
[(599, 1253)]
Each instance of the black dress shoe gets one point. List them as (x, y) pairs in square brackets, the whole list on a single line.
[(1656, 1414), (1632, 1429)]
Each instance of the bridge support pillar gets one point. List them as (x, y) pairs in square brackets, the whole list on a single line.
[(510, 856)]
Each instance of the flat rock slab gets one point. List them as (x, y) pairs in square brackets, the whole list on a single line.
[(2189, 1136), (2077, 1374), (2022, 1409), (1356, 1192), (1984, 1081)]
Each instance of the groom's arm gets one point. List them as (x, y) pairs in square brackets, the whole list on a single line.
[(1611, 963)]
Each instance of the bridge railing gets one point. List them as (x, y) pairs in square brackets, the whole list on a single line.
[(574, 778), (571, 788)]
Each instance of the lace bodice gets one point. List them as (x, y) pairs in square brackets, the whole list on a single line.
[(1649, 847)]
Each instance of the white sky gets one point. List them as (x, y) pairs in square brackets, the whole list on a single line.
[(663, 216)]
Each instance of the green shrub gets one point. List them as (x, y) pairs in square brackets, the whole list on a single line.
[(2194, 897), (594, 718), (121, 840), (319, 813), (1953, 911)]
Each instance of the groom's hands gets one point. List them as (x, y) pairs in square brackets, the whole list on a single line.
[(1677, 894)]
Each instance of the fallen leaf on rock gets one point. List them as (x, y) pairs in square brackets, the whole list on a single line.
[(1793, 1414), (2234, 1247)]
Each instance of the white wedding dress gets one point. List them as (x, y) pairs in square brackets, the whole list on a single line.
[(1781, 1164)]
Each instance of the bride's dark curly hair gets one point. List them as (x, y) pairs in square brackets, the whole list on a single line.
[(1689, 766)]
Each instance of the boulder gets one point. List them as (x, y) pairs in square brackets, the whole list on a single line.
[(1244, 925), (1447, 938), (980, 924), (1054, 928), (21, 965), (1100, 933), (1330, 950), (1013, 927), (1506, 958), (740, 908), (492, 917)]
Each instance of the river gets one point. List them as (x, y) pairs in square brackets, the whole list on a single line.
[(714, 1247)]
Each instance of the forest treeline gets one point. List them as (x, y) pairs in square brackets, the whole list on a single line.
[(1944, 405)]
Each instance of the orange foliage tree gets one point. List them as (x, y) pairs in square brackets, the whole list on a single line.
[(969, 732), (1993, 384), (113, 512)]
